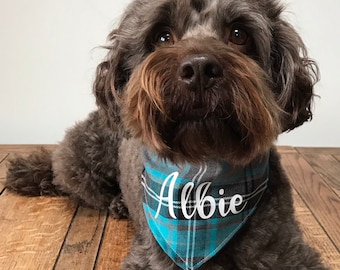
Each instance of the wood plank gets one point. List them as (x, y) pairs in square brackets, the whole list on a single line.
[(82, 242), (3, 165), (286, 149), (116, 242), (32, 230), (318, 150), (319, 197), (337, 157), (3, 156), (24, 148), (3, 170), (328, 167), (314, 234), (2, 186)]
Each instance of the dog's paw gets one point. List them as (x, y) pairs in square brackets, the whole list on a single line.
[(118, 209)]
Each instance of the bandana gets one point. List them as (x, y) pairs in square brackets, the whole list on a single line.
[(193, 211)]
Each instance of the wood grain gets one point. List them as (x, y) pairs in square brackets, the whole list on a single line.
[(318, 150), (338, 159), (81, 245), (3, 156), (3, 165), (1, 186), (320, 198), (52, 233), (314, 234), (24, 148), (286, 150), (328, 168), (32, 230), (116, 242), (2, 170)]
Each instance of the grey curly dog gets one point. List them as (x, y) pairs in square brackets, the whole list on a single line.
[(191, 98)]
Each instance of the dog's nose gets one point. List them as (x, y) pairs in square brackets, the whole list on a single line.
[(200, 71)]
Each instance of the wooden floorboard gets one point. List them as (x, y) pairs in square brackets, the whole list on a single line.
[(319, 197), (53, 233), (327, 167), (337, 157), (82, 242), (118, 236), (24, 148), (314, 233), (3, 168), (318, 150), (32, 230), (286, 150)]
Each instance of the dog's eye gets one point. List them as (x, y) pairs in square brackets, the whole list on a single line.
[(238, 36), (164, 38)]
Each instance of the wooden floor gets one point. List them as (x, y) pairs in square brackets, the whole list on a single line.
[(53, 233)]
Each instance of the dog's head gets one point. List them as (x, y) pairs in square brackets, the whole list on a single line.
[(197, 79)]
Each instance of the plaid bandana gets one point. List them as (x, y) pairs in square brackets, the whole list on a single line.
[(193, 211)]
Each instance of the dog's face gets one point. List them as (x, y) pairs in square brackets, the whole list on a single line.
[(198, 79)]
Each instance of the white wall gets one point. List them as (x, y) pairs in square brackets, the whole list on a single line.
[(48, 57), (316, 21)]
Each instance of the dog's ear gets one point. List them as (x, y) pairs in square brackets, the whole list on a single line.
[(109, 81), (294, 75)]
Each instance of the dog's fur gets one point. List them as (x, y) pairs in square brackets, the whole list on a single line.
[(257, 87)]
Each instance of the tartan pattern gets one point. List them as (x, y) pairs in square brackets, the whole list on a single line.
[(186, 235)]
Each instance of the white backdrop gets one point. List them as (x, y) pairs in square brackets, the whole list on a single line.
[(49, 51)]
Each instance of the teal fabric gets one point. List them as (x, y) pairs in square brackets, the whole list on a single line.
[(193, 211)]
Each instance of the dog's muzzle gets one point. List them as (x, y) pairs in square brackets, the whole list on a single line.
[(202, 99)]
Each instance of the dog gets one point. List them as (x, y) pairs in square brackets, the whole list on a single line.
[(191, 98)]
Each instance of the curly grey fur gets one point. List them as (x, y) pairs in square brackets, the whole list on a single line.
[(84, 167), (98, 163)]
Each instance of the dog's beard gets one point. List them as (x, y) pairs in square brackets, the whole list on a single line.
[(236, 119)]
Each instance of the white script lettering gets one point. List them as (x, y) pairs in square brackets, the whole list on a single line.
[(202, 200)]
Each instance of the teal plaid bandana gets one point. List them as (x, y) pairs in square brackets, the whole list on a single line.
[(193, 211)]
